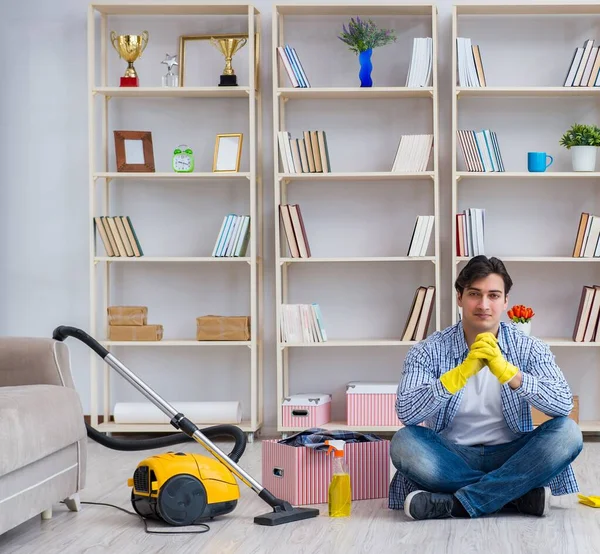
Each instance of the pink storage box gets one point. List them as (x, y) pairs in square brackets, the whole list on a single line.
[(301, 475), (306, 410), (370, 403)]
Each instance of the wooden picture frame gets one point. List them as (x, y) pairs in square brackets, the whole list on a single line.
[(183, 39), (227, 157), (134, 151)]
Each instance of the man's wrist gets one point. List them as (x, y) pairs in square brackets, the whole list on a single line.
[(516, 381)]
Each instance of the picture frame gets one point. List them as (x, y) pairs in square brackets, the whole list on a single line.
[(134, 151), (228, 153), (184, 39)]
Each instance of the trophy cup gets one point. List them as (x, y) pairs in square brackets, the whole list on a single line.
[(228, 47), (170, 79), (130, 48)]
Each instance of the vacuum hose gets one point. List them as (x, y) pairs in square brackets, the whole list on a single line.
[(215, 431)]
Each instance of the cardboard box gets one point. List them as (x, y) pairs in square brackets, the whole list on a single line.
[(135, 332), (301, 475), (217, 327), (127, 315), (539, 417), (372, 404), (304, 411)]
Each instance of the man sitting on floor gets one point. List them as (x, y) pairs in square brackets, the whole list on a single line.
[(473, 384)]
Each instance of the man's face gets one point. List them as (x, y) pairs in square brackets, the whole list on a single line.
[(483, 303)]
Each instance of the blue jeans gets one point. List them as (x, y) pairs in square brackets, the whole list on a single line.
[(486, 478)]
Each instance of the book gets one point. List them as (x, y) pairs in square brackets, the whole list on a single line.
[(118, 236)]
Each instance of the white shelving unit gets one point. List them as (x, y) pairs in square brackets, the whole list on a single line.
[(284, 98), (102, 177), (492, 182)]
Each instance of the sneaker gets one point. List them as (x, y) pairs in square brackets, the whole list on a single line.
[(536, 502), (428, 505)]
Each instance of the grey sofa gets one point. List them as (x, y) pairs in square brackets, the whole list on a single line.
[(42, 432)]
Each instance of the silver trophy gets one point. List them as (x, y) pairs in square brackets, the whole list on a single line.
[(170, 79)]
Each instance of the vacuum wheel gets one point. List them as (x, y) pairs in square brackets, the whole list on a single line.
[(182, 500)]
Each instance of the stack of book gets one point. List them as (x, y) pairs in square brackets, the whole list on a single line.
[(304, 155), (421, 63), (293, 67), (295, 232), (481, 150), (421, 236), (584, 70), (470, 66), (233, 237), (586, 322), (413, 153), (118, 237), (587, 242), (420, 314), (470, 232), (130, 323), (302, 323)]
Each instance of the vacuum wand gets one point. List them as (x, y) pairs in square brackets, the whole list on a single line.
[(283, 512)]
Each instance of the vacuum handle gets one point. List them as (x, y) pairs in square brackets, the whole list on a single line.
[(62, 332)]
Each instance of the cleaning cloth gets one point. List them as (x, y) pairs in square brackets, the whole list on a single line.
[(593, 501)]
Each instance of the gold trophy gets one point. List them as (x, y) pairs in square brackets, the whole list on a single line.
[(130, 48), (228, 47)]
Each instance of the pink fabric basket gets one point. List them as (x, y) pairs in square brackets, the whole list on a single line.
[(304, 411), (374, 404), (301, 475)]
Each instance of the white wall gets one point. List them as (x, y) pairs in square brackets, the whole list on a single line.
[(44, 198)]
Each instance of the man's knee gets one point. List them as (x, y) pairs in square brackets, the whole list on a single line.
[(569, 439), (408, 451)]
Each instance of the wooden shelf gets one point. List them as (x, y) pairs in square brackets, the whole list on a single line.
[(353, 10), (356, 176), (171, 259), (527, 175), (569, 342), (589, 426), (359, 259), (183, 342), (343, 343), (178, 7), (355, 92), (173, 92), (493, 92), (538, 259), (156, 176), (541, 8), (113, 427)]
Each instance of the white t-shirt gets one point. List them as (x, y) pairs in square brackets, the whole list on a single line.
[(479, 419)]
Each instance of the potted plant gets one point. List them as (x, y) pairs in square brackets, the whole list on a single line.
[(521, 317), (582, 140), (362, 37)]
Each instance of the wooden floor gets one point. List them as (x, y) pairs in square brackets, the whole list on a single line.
[(570, 528)]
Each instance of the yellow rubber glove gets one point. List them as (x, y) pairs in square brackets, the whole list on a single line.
[(593, 501), (456, 378), (500, 367)]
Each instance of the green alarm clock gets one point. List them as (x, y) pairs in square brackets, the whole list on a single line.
[(183, 159)]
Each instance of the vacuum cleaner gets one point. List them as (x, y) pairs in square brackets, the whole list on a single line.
[(184, 488)]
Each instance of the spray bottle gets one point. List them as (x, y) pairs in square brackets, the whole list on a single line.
[(340, 490)]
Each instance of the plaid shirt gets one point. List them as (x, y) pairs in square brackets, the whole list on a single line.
[(422, 397), (316, 437)]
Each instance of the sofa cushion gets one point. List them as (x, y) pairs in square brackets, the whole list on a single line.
[(35, 421)]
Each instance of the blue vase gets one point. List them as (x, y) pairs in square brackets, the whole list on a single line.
[(364, 58)]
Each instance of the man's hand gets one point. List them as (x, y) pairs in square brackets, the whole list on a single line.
[(486, 348), (456, 378)]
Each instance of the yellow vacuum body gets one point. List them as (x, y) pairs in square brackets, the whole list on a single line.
[(182, 488)]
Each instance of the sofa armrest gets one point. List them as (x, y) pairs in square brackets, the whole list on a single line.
[(34, 361)]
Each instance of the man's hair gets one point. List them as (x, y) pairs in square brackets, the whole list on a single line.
[(480, 267)]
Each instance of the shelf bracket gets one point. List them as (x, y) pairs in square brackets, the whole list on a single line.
[(285, 181), (285, 99), (458, 178)]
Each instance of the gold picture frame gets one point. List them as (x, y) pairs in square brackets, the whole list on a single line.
[(183, 39), (227, 156)]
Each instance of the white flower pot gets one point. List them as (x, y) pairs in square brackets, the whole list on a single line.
[(525, 327), (583, 158)]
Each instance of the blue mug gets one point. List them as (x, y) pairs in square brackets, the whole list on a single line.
[(536, 161)]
